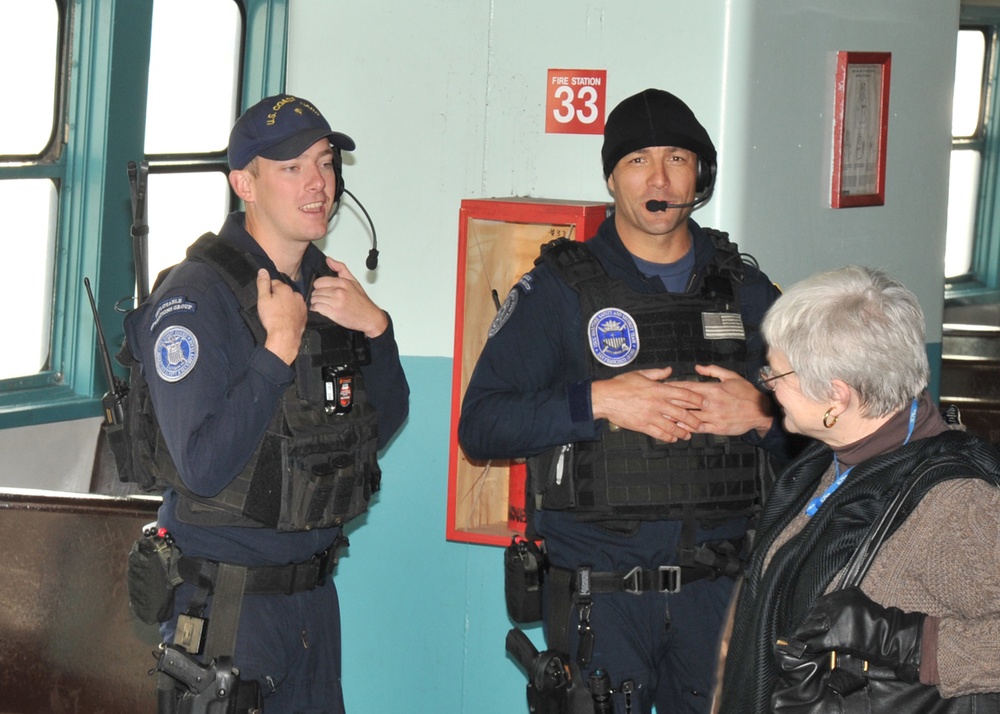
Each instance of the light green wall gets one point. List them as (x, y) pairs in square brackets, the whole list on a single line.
[(446, 101), (778, 162)]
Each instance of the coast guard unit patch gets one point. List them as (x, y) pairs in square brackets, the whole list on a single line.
[(169, 307), (614, 337), (176, 353), (504, 313)]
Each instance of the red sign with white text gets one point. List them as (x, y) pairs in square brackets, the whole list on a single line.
[(574, 101)]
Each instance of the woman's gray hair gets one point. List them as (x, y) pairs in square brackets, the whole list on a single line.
[(855, 324)]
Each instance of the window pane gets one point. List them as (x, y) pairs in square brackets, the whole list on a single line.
[(31, 33), (29, 211), (963, 189), (193, 69), (180, 208), (968, 82)]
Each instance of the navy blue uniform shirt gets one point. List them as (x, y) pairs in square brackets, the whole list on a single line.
[(530, 391), (215, 409)]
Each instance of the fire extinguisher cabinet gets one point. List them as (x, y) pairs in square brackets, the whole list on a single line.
[(498, 241)]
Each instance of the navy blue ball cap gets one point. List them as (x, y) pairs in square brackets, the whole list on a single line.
[(653, 117), (280, 128)]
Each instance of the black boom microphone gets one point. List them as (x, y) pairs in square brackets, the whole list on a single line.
[(655, 205), (372, 261)]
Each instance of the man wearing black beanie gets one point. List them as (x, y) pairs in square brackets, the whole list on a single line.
[(624, 368)]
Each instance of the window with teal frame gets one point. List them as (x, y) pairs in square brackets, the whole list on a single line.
[(65, 169), (972, 261)]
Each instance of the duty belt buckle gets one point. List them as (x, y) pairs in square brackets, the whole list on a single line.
[(670, 579), (632, 581)]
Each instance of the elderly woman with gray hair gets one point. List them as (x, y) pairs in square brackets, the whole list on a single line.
[(921, 632)]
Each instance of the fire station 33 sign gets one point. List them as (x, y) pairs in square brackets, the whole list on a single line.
[(574, 101)]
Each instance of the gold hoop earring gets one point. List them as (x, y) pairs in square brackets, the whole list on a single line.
[(826, 419)]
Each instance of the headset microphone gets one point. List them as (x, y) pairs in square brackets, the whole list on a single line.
[(655, 205), (372, 261)]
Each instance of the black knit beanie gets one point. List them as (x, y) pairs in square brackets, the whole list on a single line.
[(653, 118)]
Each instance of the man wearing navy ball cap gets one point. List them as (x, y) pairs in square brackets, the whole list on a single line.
[(280, 128), (275, 380)]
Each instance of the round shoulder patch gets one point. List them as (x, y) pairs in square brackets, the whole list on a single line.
[(614, 337), (176, 353), (504, 313)]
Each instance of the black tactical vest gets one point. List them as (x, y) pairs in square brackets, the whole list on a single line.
[(316, 466), (626, 474)]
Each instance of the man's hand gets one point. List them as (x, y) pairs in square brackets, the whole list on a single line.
[(282, 312), (642, 402), (343, 300), (732, 406)]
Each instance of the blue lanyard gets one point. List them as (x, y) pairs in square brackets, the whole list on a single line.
[(819, 500)]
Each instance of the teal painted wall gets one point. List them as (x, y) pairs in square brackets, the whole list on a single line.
[(424, 618)]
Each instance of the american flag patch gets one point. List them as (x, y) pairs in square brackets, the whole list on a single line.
[(722, 326)]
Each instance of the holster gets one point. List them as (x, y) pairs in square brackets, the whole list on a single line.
[(524, 569), (555, 685), (572, 698), (186, 686)]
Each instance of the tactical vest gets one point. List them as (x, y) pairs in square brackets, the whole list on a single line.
[(316, 466), (626, 474)]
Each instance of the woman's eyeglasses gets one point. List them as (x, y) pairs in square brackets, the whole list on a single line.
[(766, 377)]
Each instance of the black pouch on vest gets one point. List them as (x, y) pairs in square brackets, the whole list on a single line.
[(153, 576), (552, 474), (524, 567)]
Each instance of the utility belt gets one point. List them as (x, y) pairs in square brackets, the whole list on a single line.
[(228, 584), (576, 588), (186, 685), (665, 579), (156, 567), (525, 569), (555, 683), (211, 685), (265, 579)]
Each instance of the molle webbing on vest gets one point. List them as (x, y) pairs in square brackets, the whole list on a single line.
[(312, 469), (644, 478), (627, 474)]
